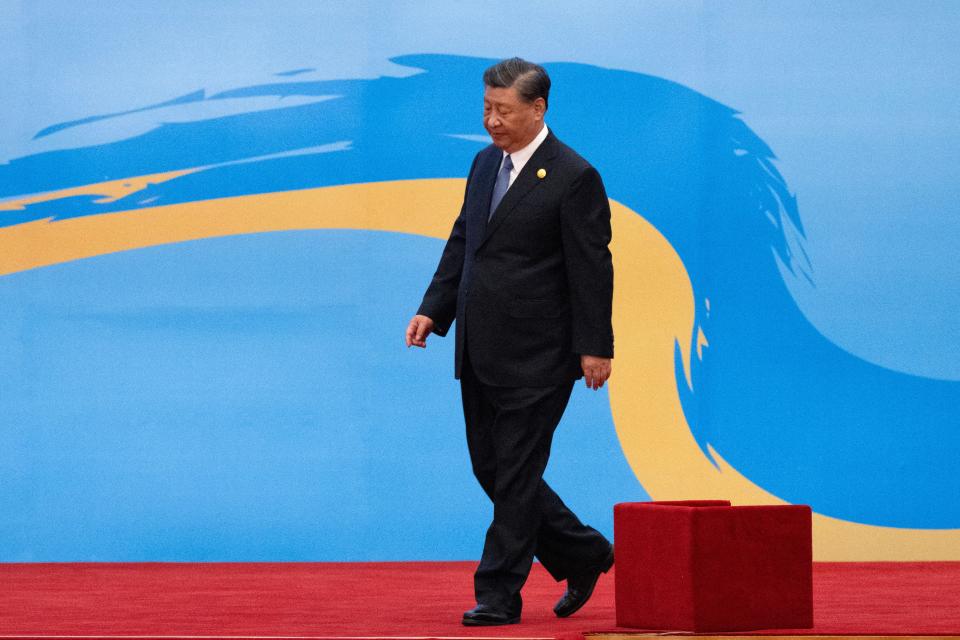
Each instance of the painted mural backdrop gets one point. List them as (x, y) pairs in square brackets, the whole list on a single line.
[(202, 295)]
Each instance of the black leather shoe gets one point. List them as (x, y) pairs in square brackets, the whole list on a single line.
[(580, 588), (486, 616)]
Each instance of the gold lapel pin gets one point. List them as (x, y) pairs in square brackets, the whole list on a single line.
[(541, 173)]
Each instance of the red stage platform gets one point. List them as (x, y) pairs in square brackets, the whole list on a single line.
[(418, 599)]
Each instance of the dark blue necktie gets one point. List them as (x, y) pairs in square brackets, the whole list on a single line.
[(501, 185)]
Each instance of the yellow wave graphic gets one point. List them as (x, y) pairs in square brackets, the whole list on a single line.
[(653, 308), (110, 191)]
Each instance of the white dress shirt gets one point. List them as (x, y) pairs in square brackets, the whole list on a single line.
[(521, 157)]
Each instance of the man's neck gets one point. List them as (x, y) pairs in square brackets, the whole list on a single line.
[(528, 140)]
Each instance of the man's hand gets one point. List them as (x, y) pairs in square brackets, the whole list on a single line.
[(418, 330), (596, 370)]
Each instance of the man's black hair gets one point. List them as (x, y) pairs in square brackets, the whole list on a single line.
[(528, 78)]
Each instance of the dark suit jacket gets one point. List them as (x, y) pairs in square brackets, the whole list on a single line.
[(532, 289)]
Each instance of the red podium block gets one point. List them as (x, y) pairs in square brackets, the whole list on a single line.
[(703, 565)]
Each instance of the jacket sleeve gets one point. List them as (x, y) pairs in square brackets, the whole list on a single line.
[(586, 235), (440, 301)]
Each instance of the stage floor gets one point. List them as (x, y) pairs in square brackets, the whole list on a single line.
[(405, 600)]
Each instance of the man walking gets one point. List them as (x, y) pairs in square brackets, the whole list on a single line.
[(528, 276)]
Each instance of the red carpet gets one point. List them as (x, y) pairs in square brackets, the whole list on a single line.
[(402, 599)]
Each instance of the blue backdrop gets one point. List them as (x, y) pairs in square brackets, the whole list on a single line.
[(246, 396)]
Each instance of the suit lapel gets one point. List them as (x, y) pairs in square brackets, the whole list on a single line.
[(524, 184), (486, 176)]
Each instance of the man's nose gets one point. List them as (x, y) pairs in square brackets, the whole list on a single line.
[(493, 120)]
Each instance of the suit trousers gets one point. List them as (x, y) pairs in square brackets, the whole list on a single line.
[(509, 433)]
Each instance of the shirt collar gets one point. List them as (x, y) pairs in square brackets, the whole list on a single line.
[(521, 157)]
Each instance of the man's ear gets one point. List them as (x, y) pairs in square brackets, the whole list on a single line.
[(540, 106)]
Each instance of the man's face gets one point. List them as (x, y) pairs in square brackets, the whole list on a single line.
[(511, 122)]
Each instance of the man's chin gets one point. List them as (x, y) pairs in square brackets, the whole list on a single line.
[(500, 142)]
